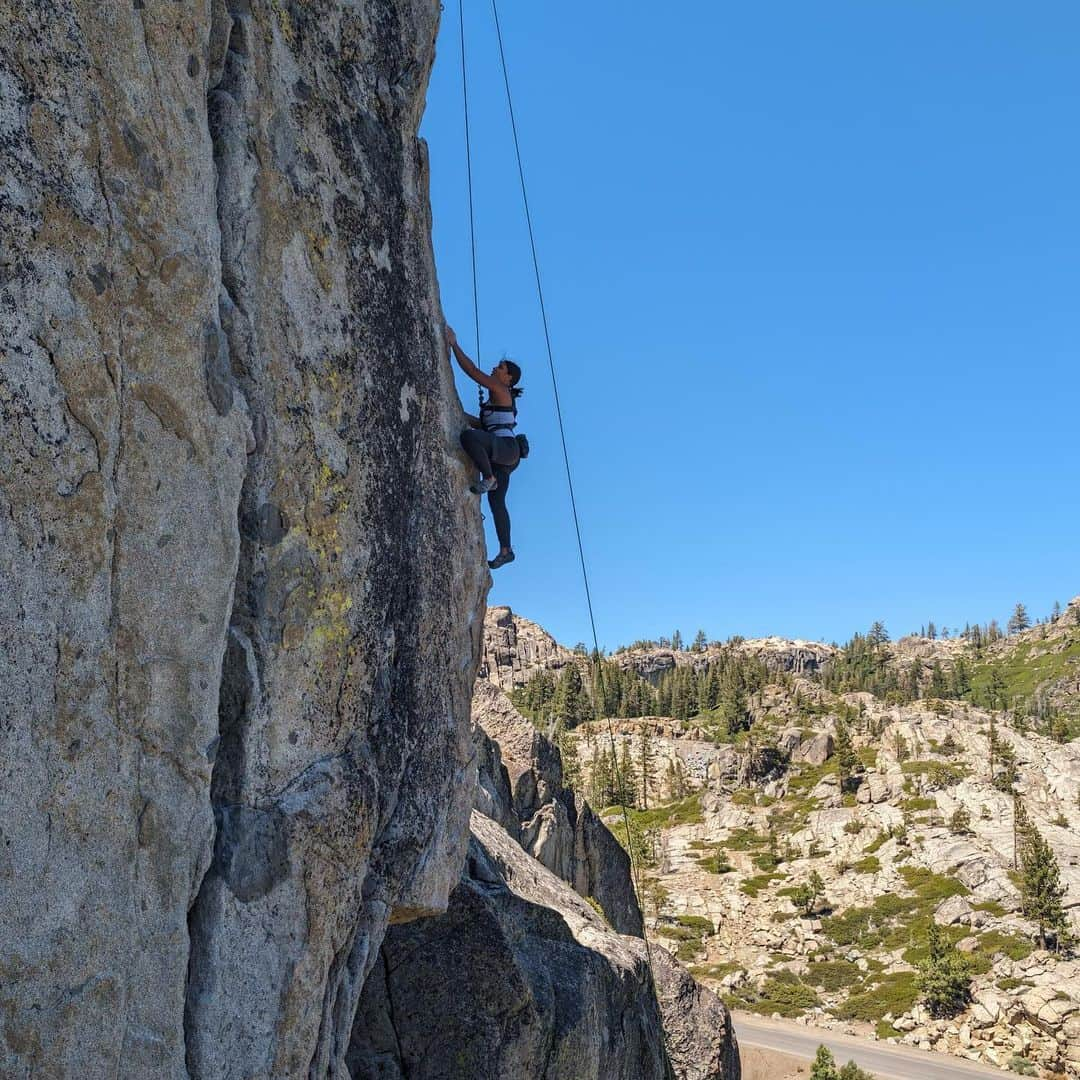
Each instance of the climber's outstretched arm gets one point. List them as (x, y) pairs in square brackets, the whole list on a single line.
[(470, 369)]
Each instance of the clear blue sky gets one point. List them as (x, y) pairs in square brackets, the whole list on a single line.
[(813, 274)]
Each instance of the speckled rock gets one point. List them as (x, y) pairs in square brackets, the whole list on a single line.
[(236, 660)]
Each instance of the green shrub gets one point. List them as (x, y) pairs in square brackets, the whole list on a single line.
[(884, 1030), (917, 803), (684, 812), (696, 922), (745, 840), (788, 997), (876, 844), (715, 863), (1013, 946), (930, 887), (833, 975), (754, 886), (869, 865), (714, 972), (895, 993), (689, 950)]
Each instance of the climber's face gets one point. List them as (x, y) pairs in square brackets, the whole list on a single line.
[(499, 372)]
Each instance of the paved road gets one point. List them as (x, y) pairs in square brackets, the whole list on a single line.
[(885, 1061)]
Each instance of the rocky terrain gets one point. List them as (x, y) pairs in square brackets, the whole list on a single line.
[(923, 830)]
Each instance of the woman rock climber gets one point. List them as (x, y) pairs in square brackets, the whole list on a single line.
[(490, 441)]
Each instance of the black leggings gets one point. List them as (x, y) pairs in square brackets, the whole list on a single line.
[(479, 446)]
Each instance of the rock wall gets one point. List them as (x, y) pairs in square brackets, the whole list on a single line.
[(237, 651)]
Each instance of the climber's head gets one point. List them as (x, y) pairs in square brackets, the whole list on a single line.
[(507, 372)]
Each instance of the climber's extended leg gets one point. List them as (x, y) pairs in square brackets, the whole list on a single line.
[(501, 517)]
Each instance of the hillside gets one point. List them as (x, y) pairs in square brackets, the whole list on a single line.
[(796, 891)]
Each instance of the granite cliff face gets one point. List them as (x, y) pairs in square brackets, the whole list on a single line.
[(237, 651)]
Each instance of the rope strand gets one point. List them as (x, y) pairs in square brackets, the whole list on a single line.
[(468, 170), (597, 674)]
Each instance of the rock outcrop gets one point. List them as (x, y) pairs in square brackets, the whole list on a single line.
[(520, 978), (237, 662), (520, 785), (698, 1031), (515, 649)]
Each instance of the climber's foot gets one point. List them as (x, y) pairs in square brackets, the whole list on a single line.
[(501, 559)]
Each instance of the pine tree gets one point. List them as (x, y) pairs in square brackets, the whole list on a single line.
[(944, 977), (1041, 891), (675, 780), (960, 822), (961, 680), (878, 634), (931, 631), (571, 763), (899, 746), (824, 1067), (676, 641), (939, 687), (571, 703), (806, 896), (700, 641), (602, 778), (1019, 620), (733, 709), (1056, 613), (626, 778), (996, 690), (847, 761), (663, 698), (851, 1071), (914, 679), (646, 767)]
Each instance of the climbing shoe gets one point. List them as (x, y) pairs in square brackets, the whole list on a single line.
[(490, 484), (501, 559)]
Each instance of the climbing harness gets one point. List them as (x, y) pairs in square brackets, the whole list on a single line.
[(498, 419), (597, 670)]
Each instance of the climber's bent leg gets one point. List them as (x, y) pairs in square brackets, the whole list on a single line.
[(478, 445)]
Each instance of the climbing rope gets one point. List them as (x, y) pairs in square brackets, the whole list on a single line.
[(468, 171), (597, 673)]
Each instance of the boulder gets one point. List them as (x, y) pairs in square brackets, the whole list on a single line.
[(814, 751), (955, 909)]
